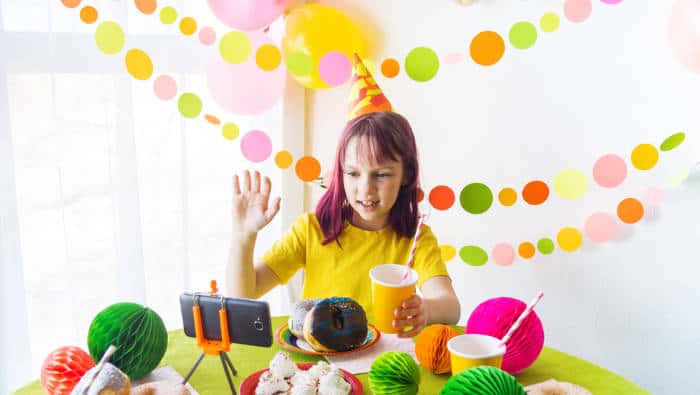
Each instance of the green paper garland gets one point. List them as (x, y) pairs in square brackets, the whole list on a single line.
[(138, 333), (396, 373), (482, 380)]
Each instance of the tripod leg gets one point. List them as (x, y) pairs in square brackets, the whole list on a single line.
[(230, 364), (228, 375), (194, 367)]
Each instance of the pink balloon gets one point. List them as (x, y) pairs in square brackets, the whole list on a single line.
[(684, 34), (600, 227), (503, 254), (247, 15), (245, 88)]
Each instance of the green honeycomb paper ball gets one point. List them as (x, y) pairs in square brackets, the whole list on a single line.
[(394, 372), (136, 331), (482, 380)]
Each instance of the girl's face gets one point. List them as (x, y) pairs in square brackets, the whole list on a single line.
[(371, 188)]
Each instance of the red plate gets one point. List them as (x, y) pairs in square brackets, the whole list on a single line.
[(249, 385)]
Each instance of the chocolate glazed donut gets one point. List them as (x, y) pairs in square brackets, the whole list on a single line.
[(336, 324)]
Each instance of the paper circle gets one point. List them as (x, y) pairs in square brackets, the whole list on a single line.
[(88, 14), (109, 37), (644, 156), (526, 250), (441, 197), (577, 10), (653, 196), (146, 6), (299, 64), (522, 35), (600, 227), (473, 255), (308, 168), (189, 105), (569, 239), (476, 198), (672, 141), (507, 196), (571, 184), (207, 35), (70, 3), (234, 47), (609, 171), (256, 146), (549, 22), (268, 57), (630, 210), (545, 246), (230, 131), (390, 68), (168, 15), (334, 68), (139, 64), (453, 58), (188, 26), (283, 159), (165, 87), (487, 48), (503, 254), (535, 192), (422, 64)]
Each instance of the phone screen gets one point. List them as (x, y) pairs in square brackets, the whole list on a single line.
[(248, 320)]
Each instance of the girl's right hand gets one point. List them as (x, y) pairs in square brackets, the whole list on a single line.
[(252, 209)]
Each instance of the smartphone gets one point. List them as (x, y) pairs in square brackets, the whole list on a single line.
[(248, 320)]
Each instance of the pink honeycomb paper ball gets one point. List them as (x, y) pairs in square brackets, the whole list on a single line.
[(495, 316)]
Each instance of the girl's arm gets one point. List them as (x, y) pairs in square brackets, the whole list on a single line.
[(441, 303), (251, 212)]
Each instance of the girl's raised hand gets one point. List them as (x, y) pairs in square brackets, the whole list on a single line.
[(252, 209)]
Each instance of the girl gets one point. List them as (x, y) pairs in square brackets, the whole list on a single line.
[(368, 216)]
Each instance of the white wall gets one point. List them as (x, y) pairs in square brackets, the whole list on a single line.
[(601, 86)]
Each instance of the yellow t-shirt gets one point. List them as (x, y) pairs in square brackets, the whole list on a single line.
[(333, 270)]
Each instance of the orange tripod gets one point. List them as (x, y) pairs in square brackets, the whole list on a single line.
[(213, 347)]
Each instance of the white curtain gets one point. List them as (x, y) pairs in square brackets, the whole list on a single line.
[(107, 193)]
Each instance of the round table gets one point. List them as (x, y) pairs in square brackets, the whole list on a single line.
[(209, 378)]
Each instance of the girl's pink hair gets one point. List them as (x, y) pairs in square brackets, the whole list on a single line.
[(385, 136)]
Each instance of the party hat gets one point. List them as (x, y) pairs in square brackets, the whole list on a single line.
[(365, 95)]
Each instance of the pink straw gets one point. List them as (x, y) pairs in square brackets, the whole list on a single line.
[(520, 319), (412, 255)]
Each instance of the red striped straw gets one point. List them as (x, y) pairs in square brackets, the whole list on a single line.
[(412, 255), (520, 319)]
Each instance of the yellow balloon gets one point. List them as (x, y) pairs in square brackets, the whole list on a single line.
[(313, 30)]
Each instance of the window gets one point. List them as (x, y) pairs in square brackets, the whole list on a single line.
[(115, 196)]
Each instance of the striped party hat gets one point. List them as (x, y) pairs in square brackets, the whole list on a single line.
[(365, 95)]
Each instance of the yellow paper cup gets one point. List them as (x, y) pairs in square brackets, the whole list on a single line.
[(467, 351), (388, 292)]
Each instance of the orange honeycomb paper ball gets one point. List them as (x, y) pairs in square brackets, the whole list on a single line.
[(431, 348)]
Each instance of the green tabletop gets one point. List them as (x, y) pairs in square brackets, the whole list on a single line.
[(209, 378)]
